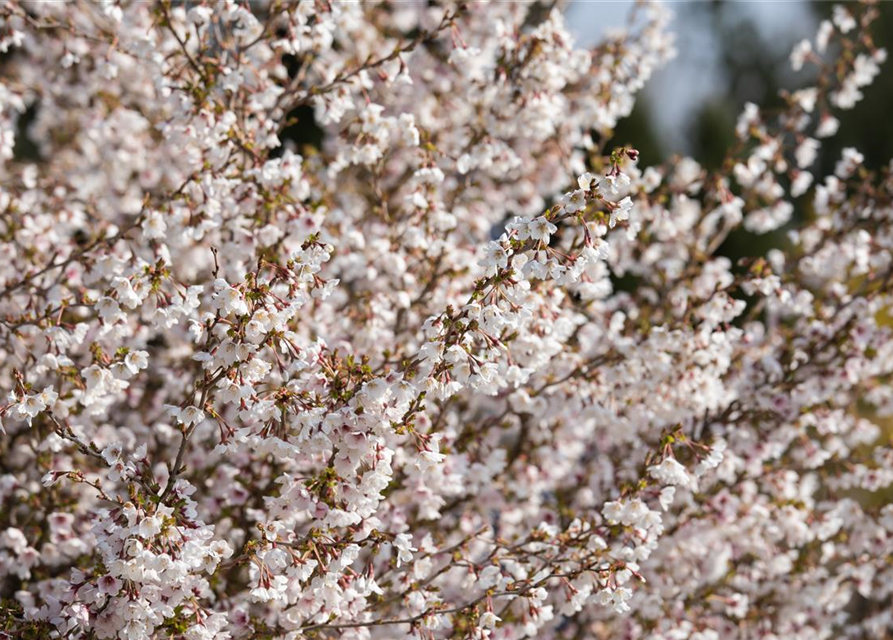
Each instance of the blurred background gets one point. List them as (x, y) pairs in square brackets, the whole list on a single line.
[(730, 53)]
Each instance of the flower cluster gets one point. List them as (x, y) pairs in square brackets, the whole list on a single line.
[(455, 369)]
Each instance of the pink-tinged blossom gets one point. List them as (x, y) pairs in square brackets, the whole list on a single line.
[(463, 367)]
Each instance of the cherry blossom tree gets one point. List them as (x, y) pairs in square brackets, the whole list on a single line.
[(464, 369)]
